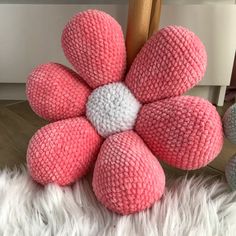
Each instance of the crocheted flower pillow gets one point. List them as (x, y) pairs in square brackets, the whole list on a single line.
[(123, 123)]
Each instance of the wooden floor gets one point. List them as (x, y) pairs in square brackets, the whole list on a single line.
[(17, 125)]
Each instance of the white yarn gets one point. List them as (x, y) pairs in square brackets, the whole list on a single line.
[(112, 108)]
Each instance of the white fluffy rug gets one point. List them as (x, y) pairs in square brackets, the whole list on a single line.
[(191, 206)]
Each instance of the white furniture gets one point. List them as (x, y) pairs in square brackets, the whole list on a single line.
[(215, 24), (30, 35)]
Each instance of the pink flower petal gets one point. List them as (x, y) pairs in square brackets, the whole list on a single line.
[(185, 132), (170, 63), (93, 43), (55, 92), (127, 177), (63, 151)]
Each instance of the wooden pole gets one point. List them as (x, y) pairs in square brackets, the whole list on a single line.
[(138, 27), (155, 17)]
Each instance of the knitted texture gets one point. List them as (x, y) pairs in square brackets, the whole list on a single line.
[(171, 62), (93, 43), (127, 177), (230, 172), (112, 108), (185, 131), (62, 151), (229, 122), (55, 92)]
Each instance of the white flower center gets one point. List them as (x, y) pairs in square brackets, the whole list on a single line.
[(112, 108)]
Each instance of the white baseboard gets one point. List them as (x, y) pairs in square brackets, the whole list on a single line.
[(9, 91), (214, 94)]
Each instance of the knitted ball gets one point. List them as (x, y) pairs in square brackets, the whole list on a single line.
[(55, 92), (127, 177), (171, 62), (185, 131), (229, 122), (93, 43), (63, 151), (230, 172), (112, 108)]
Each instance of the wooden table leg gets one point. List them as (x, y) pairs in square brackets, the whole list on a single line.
[(138, 27), (155, 17)]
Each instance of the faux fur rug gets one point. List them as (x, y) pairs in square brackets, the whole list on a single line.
[(191, 206)]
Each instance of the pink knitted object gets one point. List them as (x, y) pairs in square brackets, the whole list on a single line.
[(63, 151), (127, 176), (184, 131), (55, 92), (171, 62), (93, 43)]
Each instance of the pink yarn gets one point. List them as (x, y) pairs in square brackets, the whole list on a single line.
[(55, 92), (93, 43), (184, 131), (127, 177), (63, 151), (171, 62)]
